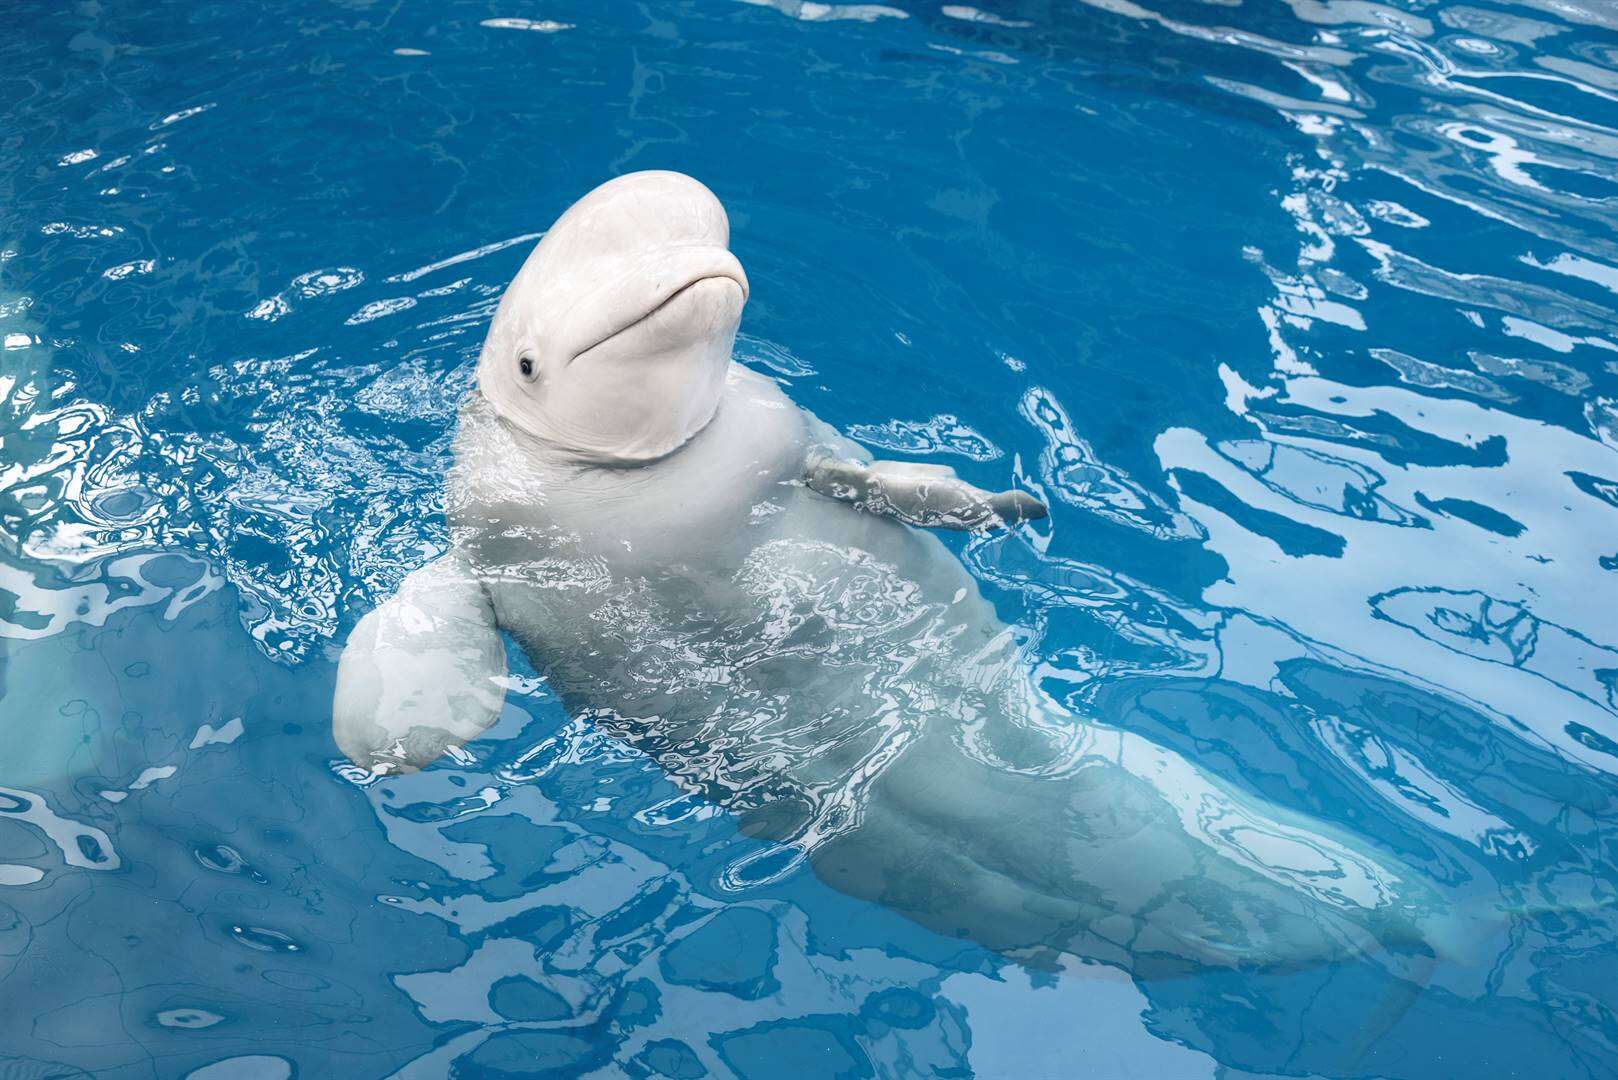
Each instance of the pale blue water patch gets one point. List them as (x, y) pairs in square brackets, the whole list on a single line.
[(1302, 316)]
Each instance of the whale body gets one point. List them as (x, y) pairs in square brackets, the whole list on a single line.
[(718, 578)]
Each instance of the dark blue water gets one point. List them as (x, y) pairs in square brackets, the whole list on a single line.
[(1300, 316)]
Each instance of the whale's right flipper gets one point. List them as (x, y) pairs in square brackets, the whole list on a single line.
[(422, 673), (928, 496)]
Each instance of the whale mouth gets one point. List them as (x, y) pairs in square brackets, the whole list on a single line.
[(642, 287), (667, 302)]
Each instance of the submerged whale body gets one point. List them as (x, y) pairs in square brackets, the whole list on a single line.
[(721, 580)]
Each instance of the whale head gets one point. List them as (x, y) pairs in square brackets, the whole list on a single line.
[(612, 343)]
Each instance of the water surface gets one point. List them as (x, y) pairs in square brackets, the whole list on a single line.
[(1300, 315)]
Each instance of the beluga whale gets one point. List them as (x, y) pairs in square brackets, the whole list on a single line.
[(716, 577)]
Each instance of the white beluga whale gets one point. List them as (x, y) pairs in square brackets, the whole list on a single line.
[(713, 575)]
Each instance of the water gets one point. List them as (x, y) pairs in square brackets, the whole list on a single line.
[(1300, 316)]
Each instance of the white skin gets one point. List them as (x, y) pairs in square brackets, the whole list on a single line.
[(715, 576)]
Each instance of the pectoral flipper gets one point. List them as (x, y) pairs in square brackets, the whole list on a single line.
[(422, 673), (927, 496)]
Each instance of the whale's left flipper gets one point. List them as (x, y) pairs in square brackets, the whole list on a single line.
[(422, 673), (930, 496)]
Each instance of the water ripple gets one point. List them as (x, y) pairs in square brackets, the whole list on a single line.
[(1300, 316)]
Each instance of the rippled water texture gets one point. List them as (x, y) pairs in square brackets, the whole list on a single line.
[(1300, 316)]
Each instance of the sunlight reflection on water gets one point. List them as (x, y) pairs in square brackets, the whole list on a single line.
[(1300, 317)]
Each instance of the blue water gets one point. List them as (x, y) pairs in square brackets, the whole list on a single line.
[(1300, 316)]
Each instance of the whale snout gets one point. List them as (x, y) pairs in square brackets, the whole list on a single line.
[(661, 290), (689, 302), (708, 307)]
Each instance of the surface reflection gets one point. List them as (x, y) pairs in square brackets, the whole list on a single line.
[(1300, 317)]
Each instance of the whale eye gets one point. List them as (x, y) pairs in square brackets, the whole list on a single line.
[(526, 366)]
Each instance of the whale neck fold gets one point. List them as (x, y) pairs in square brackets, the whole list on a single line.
[(552, 451)]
